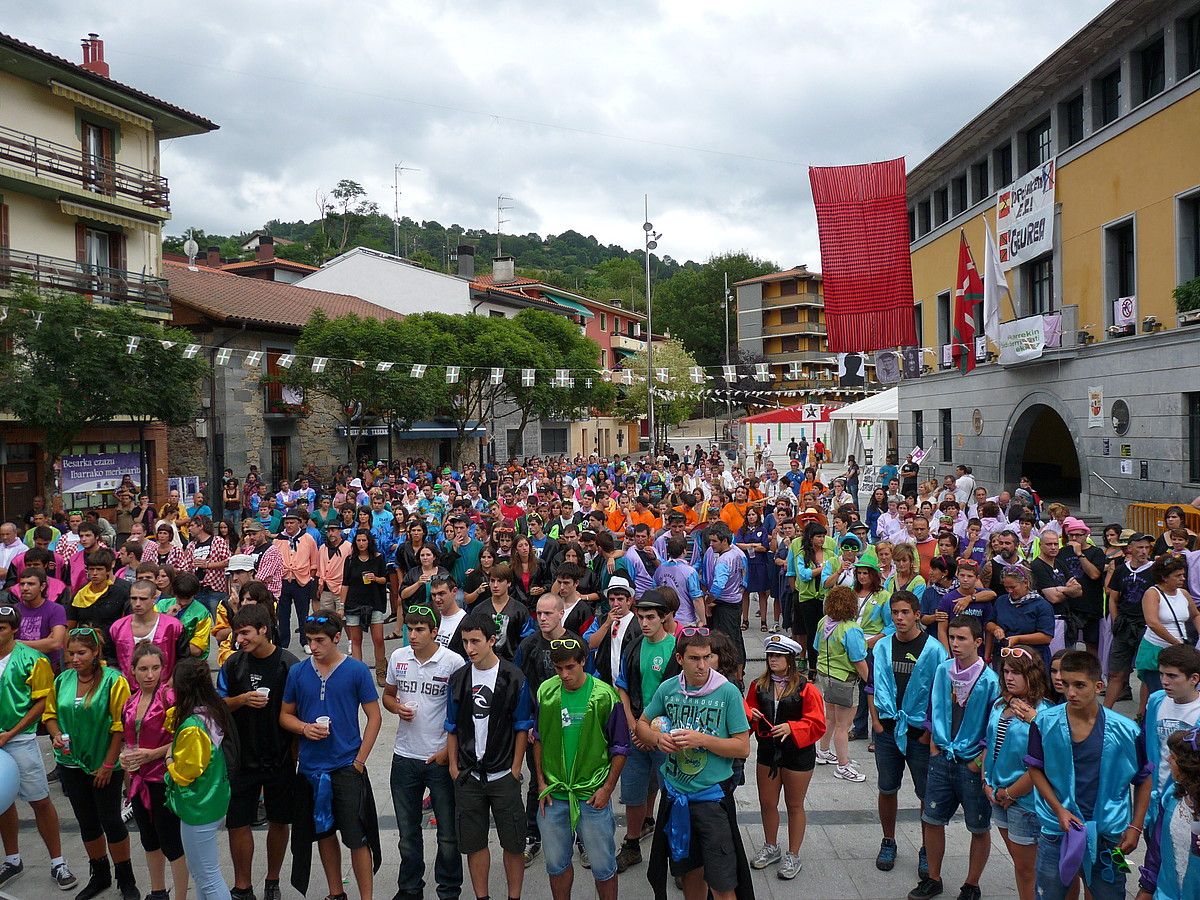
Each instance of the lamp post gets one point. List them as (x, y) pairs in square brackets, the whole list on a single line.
[(652, 237)]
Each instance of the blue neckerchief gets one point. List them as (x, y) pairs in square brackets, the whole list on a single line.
[(679, 822)]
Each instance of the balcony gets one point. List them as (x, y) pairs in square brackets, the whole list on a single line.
[(798, 328), (102, 284), (625, 342), (94, 174), (815, 301), (803, 356)]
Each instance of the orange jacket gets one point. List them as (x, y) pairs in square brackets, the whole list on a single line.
[(299, 566)]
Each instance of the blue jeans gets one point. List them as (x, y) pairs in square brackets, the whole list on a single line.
[(299, 596), (596, 830), (410, 777), (1050, 886), (203, 859), (210, 599), (951, 784), (890, 763)]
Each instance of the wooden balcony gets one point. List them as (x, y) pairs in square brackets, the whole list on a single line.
[(104, 285)]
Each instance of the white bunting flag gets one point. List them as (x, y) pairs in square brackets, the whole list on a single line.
[(3, 313), (223, 356), (587, 382), (794, 372), (761, 372), (254, 358), (606, 374), (662, 375), (730, 373), (37, 321), (167, 345), (452, 374), (384, 367), (527, 378), (76, 330), (570, 381), (626, 376), (497, 376), (418, 371), (560, 378), (697, 375), (101, 334), (319, 363), (131, 345), (190, 351)]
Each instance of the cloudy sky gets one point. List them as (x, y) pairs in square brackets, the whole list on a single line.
[(576, 110)]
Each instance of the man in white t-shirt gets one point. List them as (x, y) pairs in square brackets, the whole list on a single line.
[(1175, 708), (964, 484), (444, 592), (418, 678)]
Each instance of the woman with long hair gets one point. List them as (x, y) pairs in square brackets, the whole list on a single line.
[(197, 775), (788, 718), (841, 665), (229, 531), (876, 507), (1172, 867), (1006, 781), (83, 717), (476, 588), (806, 612), (528, 573), (147, 741), (1168, 608), (754, 540), (364, 597)]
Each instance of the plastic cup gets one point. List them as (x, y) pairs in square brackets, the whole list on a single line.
[(411, 704), (323, 721), (368, 578), (266, 692)]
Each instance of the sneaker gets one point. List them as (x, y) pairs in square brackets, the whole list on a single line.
[(242, 893), (766, 856), (10, 872), (126, 811), (885, 861), (532, 849), (825, 757), (849, 773), (630, 854), (159, 895), (584, 859), (647, 828), (271, 890), (790, 866), (63, 878), (969, 892), (922, 864), (928, 887)]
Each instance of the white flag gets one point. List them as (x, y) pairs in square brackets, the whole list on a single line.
[(994, 284), (626, 376), (497, 376), (418, 371), (384, 367), (167, 345), (254, 358), (730, 373), (285, 361), (223, 356), (661, 375), (560, 378), (132, 345), (527, 378), (452, 374), (319, 363), (761, 373), (697, 375), (190, 351)]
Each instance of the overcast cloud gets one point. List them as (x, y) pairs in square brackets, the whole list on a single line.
[(309, 92)]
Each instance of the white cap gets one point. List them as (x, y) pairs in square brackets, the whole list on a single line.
[(619, 583), (240, 562)]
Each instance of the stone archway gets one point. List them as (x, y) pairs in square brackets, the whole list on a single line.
[(1040, 443)]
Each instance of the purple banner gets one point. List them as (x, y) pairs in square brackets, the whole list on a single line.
[(98, 471)]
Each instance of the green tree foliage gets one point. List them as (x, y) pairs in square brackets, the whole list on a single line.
[(674, 357), (73, 369), (691, 304)]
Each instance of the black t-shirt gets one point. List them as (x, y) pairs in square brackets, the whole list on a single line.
[(1130, 586), (533, 656), (1091, 603), (904, 659), (264, 744), (908, 477), (364, 596), (1049, 576)]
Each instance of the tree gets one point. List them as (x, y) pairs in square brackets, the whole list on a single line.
[(677, 405), (351, 199), (72, 364), (691, 304)]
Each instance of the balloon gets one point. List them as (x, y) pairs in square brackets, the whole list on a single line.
[(10, 780)]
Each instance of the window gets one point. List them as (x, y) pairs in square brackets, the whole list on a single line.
[(1003, 165), (495, 314), (979, 180), (1107, 95), (554, 441), (941, 206), (919, 323), (1152, 70), (1072, 120), (1040, 285), (1120, 263), (788, 288), (912, 225), (98, 161), (923, 218), (616, 325), (918, 428), (603, 323), (945, 308), (789, 316), (516, 442), (1037, 145), (1189, 40), (1189, 237), (1192, 405), (947, 424), (789, 344), (958, 194)]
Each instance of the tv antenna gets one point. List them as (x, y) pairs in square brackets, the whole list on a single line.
[(398, 169), (500, 210)]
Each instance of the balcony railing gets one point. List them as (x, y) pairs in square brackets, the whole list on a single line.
[(93, 173), (795, 328), (101, 283)]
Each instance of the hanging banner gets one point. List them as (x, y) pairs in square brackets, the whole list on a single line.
[(1096, 407), (1025, 217), (96, 472), (852, 372), (1021, 340), (887, 366), (910, 366)]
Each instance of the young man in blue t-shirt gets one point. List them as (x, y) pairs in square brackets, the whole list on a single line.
[(321, 704)]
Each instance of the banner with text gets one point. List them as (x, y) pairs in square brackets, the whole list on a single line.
[(1025, 217), (1022, 340), (95, 472)]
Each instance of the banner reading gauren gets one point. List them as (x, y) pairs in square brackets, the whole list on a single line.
[(1025, 216)]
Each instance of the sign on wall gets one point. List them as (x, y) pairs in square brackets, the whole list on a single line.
[(95, 472), (1096, 407), (1025, 217), (1125, 311)]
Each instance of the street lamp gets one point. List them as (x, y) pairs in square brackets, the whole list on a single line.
[(652, 237)]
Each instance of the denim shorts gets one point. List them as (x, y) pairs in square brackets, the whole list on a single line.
[(596, 830), (355, 621), (890, 763), (635, 777), (1021, 824), (28, 756), (950, 785)]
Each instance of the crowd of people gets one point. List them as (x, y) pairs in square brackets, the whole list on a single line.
[(550, 634)]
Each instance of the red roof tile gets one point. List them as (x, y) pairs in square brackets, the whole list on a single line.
[(487, 281), (277, 263), (229, 297), (797, 272)]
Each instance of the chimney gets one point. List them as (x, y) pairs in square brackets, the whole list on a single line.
[(214, 258), (266, 248), (93, 54), (504, 270), (466, 261)]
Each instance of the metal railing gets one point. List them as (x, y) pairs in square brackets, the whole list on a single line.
[(99, 282), (91, 171)]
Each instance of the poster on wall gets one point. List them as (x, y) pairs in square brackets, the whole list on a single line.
[(1025, 217), (1096, 407), (187, 485), (852, 371), (887, 366), (96, 472)]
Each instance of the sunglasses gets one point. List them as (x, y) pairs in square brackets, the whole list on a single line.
[(8, 611), (423, 611), (564, 644), (693, 630), (1015, 652), (77, 632), (1111, 860), (320, 620)]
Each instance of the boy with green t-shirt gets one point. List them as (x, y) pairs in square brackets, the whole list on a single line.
[(702, 729), (580, 744), (194, 617)]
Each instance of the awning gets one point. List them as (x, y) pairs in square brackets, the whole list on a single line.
[(884, 405), (425, 430), (575, 307), (624, 352)]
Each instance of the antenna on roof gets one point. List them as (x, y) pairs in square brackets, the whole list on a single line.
[(191, 248), (398, 168), (500, 209)]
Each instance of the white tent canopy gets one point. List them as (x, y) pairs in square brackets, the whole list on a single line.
[(880, 415), (884, 405)]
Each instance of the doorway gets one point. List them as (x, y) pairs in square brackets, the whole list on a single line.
[(279, 459), (1042, 447)]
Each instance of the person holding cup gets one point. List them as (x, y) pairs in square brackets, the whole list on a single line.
[(251, 682)]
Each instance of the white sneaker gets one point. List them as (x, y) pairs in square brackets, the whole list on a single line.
[(790, 867), (849, 773), (825, 757), (766, 856)]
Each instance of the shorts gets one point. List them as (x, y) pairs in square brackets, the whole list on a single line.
[(1088, 625), (328, 602), (950, 785), (158, 827), (349, 788), (28, 756), (712, 847), (785, 754), (1147, 657), (1123, 650), (596, 830), (1021, 824), (472, 801), (641, 767), (837, 692), (354, 620), (276, 789), (890, 763)]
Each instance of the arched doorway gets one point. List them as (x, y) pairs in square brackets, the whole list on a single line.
[(1041, 446)]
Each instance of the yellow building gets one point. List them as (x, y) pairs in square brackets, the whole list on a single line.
[(1116, 111)]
